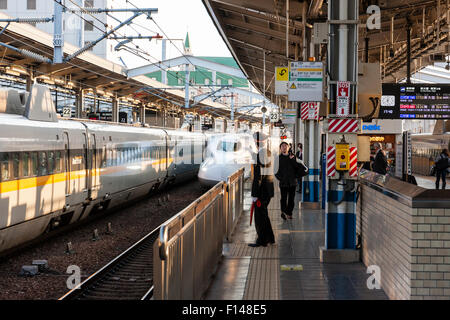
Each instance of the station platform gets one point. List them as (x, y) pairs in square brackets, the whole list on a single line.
[(290, 269), (429, 182)]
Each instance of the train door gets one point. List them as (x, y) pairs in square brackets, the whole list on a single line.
[(67, 164), (93, 167), (85, 185)]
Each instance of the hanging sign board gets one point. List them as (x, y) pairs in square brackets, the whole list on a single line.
[(281, 80), (305, 82), (289, 116), (343, 99)]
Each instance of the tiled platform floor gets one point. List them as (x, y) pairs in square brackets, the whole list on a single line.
[(261, 273), (429, 182)]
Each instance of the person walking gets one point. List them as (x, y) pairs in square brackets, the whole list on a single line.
[(380, 162), (287, 175), (442, 165), (262, 192), (299, 156)]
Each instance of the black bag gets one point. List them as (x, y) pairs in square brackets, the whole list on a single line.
[(302, 170), (442, 164)]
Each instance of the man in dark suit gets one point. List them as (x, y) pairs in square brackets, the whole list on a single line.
[(380, 162), (299, 156), (262, 192)]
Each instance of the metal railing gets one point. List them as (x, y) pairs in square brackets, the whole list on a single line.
[(190, 244)]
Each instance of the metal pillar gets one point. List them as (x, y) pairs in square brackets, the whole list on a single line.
[(340, 215), (163, 58), (408, 52), (58, 39), (186, 87)]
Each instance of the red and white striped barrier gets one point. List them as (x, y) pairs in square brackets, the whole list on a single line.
[(353, 172), (331, 161), (343, 126), (309, 110)]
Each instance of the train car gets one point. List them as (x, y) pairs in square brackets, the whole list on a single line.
[(425, 149), (226, 153), (54, 172)]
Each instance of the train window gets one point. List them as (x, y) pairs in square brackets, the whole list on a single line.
[(25, 164), (43, 163), (4, 166), (34, 164), (58, 162), (15, 165), (51, 162)]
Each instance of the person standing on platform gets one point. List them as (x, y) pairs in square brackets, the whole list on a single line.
[(380, 162), (262, 192), (442, 165), (287, 175), (299, 156)]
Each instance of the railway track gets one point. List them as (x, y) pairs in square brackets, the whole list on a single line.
[(129, 276)]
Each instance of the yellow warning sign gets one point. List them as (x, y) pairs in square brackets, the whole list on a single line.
[(293, 86), (282, 73)]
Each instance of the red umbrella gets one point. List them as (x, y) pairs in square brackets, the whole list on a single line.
[(251, 212), (258, 204)]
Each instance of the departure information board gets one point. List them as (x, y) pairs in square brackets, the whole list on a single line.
[(415, 101)]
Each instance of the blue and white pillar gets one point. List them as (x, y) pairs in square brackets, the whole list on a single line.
[(311, 183)]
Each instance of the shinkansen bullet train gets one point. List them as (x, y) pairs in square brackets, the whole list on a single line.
[(56, 172), (226, 154)]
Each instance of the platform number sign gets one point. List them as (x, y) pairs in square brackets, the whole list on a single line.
[(343, 99), (274, 117), (67, 111)]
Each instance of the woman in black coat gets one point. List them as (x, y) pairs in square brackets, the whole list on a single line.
[(262, 193), (287, 175)]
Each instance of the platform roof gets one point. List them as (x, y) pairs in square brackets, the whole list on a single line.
[(87, 71), (250, 28)]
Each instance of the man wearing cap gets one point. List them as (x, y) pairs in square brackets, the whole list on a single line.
[(262, 192)]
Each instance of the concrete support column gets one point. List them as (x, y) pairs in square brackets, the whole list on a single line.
[(142, 114), (115, 109), (79, 102)]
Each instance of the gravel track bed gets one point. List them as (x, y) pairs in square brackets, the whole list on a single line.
[(128, 225)]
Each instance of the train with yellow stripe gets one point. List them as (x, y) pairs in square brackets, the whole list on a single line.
[(55, 172)]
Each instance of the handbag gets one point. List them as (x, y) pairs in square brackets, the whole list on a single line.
[(302, 170)]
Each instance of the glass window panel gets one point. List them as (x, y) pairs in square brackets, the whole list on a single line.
[(4, 166), (43, 170), (25, 164)]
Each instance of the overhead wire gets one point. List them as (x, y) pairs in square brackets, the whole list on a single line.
[(107, 76)]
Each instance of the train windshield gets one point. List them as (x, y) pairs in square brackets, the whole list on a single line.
[(229, 146)]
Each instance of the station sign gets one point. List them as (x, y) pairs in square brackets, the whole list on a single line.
[(305, 82), (281, 80), (343, 99), (382, 127), (415, 101), (289, 116)]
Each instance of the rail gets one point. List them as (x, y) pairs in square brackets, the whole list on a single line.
[(190, 243)]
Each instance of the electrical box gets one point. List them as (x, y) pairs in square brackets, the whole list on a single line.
[(342, 157)]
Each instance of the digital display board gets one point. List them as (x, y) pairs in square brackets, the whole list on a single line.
[(415, 101)]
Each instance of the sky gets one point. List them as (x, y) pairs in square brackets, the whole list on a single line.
[(176, 17)]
